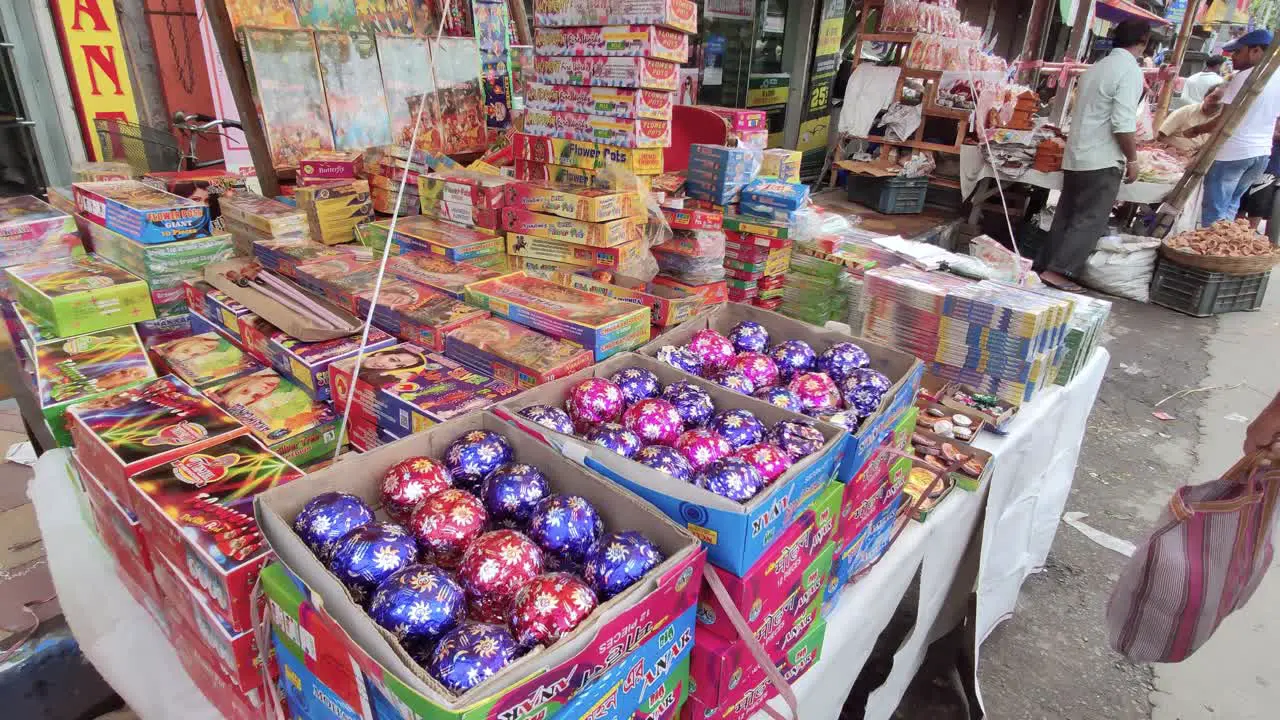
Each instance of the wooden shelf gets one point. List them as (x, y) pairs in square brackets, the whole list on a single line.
[(891, 37), (932, 110), (944, 182), (921, 74), (917, 145)]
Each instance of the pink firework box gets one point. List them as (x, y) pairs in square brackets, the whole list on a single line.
[(417, 313), (750, 694), (307, 363), (608, 101), (512, 353), (581, 232), (883, 475), (30, 226), (461, 213), (681, 15), (667, 306), (322, 165), (623, 72), (480, 190), (693, 219), (540, 681), (198, 512), (579, 256), (603, 325), (437, 273), (139, 428), (585, 204), (623, 40), (623, 132), (739, 119), (205, 359)]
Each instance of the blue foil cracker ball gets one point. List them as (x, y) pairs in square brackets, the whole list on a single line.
[(615, 438), (841, 359), (511, 493), (749, 336), (731, 477), (327, 517), (470, 654), (618, 561), (636, 383), (666, 460), (791, 357), (474, 455), (740, 427), (779, 396), (566, 526), (680, 359), (846, 419), (548, 416), (692, 402), (371, 553), (418, 604), (735, 380), (798, 438), (865, 379)]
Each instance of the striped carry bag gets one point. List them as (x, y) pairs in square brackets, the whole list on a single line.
[(1208, 553)]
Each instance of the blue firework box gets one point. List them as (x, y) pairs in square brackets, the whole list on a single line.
[(903, 370), (735, 534), (771, 192), (141, 212)]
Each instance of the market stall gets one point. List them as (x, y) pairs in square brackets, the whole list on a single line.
[(977, 175)]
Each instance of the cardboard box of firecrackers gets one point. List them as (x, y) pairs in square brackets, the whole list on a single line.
[(588, 205), (679, 15), (30, 230), (140, 211), (85, 367), (220, 309), (121, 532), (322, 166), (205, 359), (283, 256), (266, 217), (307, 363), (421, 233), (620, 131), (625, 40), (581, 232), (602, 71), (320, 274), (478, 190), (586, 155), (333, 209), (667, 306), (437, 273), (611, 258), (417, 313), (601, 101), (280, 414), (512, 353), (566, 176), (76, 295)]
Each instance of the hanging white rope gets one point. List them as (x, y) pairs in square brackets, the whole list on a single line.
[(995, 171)]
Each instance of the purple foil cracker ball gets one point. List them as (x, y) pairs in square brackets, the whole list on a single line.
[(637, 384), (731, 477), (846, 419), (474, 455), (841, 359), (566, 526), (749, 336), (791, 357), (692, 402), (799, 438), (735, 381), (759, 368), (739, 427), (680, 359), (779, 396), (666, 460), (552, 418), (469, 654), (614, 438), (618, 561), (863, 390), (418, 604), (371, 553), (511, 492)]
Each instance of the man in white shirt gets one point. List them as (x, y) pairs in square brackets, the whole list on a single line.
[(1198, 85), (1101, 152), (1173, 129), (1243, 156)]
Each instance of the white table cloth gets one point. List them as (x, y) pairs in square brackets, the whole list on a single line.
[(974, 168)]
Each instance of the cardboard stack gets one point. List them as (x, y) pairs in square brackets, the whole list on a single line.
[(334, 208)]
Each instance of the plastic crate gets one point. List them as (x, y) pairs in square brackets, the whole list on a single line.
[(1202, 293), (891, 196)]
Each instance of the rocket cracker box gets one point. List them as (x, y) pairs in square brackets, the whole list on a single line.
[(30, 227), (198, 511), (77, 295), (280, 414), (205, 359), (140, 211), (85, 367), (133, 430)]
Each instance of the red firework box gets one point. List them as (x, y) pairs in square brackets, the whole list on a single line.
[(514, 354), (416, 313), (738, 119), (324, 165), (623, 132), (693, 243), (349, 650), (384, 201), (693, 219), (750, 239), (121, 533), (31, 229), (256, 334), (601, 101), (621, 40), (556, 251), (749, 688), (680, 15), (211, 678), (584, 204), (581, 232), (142, 427), (197, 510), (481, 191), (600, 71), (712, 293)]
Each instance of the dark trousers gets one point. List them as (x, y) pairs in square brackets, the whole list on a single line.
[(1080, 219)]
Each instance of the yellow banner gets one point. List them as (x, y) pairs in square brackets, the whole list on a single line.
[(95, 54)]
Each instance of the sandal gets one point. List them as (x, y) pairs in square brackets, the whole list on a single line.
[(1061, 282)]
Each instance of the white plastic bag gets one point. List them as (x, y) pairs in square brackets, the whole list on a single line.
[(1122, 265)]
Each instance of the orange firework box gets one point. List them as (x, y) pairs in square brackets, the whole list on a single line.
[(693, 219), (323, 165), (623, 132), (624, 72), (575, 203), (610, 101), (623, 40), (581, 232)]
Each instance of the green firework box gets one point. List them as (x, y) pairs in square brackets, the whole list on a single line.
[(280, 414), (77, 295), (81, 368), (160, 264), (141, 212), (357, 660), (197, 510), (205, 359), (127, 432)]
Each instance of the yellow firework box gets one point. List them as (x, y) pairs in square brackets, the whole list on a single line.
[(335, 208), (575, 203), (540, 248), (605, 234), (587, 155)]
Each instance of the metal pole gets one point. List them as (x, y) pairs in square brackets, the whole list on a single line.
[(1179, 50), (1075, 50)]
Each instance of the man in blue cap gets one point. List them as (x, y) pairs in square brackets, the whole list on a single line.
[(1243, 156)]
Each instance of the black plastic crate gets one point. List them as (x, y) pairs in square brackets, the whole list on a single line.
[(892, 195), (1203, 293)]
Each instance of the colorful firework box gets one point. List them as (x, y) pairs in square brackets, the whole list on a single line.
[(122, 534), (384, 201), (600, 101), (693, 219), (318, 275), (602, 325), (781, 164), (130, 431), (772, 193), (307, 363), (267, 216), (288, 92), (85, 367), (325, 165), (712, 293), (437, 273), (310, 602), (667, 306), (406, 400), (540, 248), (198, 511), (205, 359), (163, 330), (283, 256), (750, 226), (563, 175), (461, 213), (162, 265), (575, 203), (587, 155), (739, 119), (282, 415), (750, 696), (481, 191), (621, 40), (623, 72), (215, 306), (766, 213), (29, 226), (512, 353), (681, 15), (255, 336), (420, 233), (335, 208), (623, 132), (417, 313), (581, 232), (140, 211), (77, 295)]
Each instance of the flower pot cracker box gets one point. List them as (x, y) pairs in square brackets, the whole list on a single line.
[(621, 40), (512, 353), (586, 204), (85, 367), (280, 414), (205, 359), (141, 212), (198, 511), (602, 325), (77, 295), (600, 101), (586, 155), (611, 258), (29, 227), (624, 72), (127, 432), (307, 363), (602, 234), (680, 15)]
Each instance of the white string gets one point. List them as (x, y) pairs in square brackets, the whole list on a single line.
[(386, 249), (995, 171)]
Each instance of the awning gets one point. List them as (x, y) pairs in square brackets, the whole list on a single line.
[(1120, 10)]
